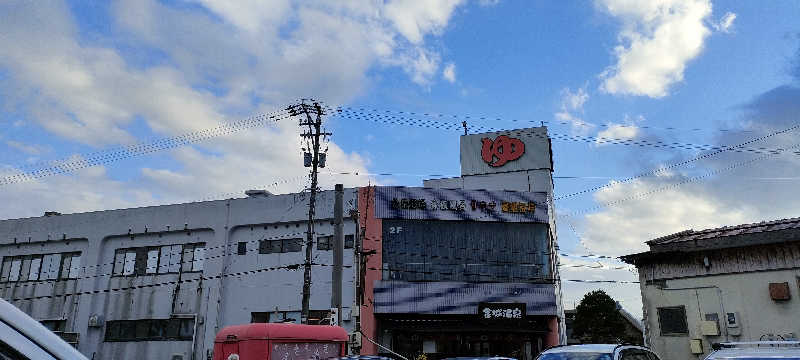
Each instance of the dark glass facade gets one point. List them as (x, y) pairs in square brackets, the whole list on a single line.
[(471, 251)]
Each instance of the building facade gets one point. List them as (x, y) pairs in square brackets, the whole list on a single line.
[(467, 266), (463, 266), (161, 281), (736, 283)]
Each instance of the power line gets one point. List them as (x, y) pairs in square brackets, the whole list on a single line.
[(292, 267), (493, 118), (394, 119), (662, 169), (674, 185), (104, 157)]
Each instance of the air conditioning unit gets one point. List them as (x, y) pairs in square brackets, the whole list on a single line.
[(95, 321)]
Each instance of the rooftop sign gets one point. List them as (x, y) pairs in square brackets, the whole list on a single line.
[(505, 151)]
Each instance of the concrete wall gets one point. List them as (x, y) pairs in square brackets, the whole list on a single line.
[(228, 289), (745, 293), (527, 180)]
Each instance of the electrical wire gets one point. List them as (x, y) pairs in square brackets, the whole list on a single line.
[(399, 120), (492, 118), (120, 153), (671, 186)]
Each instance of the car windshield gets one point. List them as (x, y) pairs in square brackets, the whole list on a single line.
[(575, 356)]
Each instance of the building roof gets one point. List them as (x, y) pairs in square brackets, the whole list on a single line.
[(692, 235), (736, 236)]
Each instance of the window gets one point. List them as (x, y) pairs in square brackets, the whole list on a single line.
[(150, 329), (159, 260), (59, 266), (8, 353), (193, 257), (325, 243), (634, 354), (280, 246), (259, 317), (54, 325), (242, 249), (673, 320), (319, 317)]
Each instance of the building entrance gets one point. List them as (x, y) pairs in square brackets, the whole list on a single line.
[(446, 338)]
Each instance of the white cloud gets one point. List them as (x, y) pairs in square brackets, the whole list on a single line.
[(658, 38), (422, 66), (571, 110), (31, 149), (623, 228), (223, 64), (725, 24), (449, 72), (616, 131), (413, 19)]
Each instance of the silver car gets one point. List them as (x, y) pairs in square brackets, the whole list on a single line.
[(598, 352), (23, 338), (756, 350)]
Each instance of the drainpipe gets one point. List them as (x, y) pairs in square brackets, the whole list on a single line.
[(719, 294)]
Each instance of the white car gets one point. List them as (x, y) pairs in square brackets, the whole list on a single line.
[(776, 350), (598, 352), (23, 338)]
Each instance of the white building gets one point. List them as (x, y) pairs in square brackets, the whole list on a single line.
[(161, 281), (736, 283)]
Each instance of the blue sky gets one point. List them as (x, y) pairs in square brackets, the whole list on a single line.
[(79, 77)]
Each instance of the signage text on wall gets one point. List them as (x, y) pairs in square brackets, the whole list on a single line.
[(501, 311), (394, 202)]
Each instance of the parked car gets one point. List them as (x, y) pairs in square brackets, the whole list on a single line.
[(755, 350), (23, 338), (598, 352), (481, 358)]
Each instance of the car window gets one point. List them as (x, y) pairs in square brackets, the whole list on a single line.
[(575, 356), (25, 348), (634, 354), (7, 353)]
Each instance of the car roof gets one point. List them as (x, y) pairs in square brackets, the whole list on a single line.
[(35, 331), (755, 352), (598, 348), (760, 349)]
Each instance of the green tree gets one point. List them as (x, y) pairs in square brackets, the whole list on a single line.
[(597, 320)]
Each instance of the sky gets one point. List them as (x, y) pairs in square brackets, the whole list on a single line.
[(81, 80)]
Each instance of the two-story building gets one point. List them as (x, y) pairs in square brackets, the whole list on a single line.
[(734, 283)]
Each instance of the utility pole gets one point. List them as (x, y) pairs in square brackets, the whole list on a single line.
[(338, 252), (314, 160)]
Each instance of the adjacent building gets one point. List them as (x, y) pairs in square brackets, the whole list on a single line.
[(735, 283), (160, 281)]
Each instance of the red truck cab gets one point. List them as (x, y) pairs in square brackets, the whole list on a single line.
[(267, 341)]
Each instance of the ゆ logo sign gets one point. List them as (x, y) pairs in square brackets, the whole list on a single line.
[(501, 150)]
